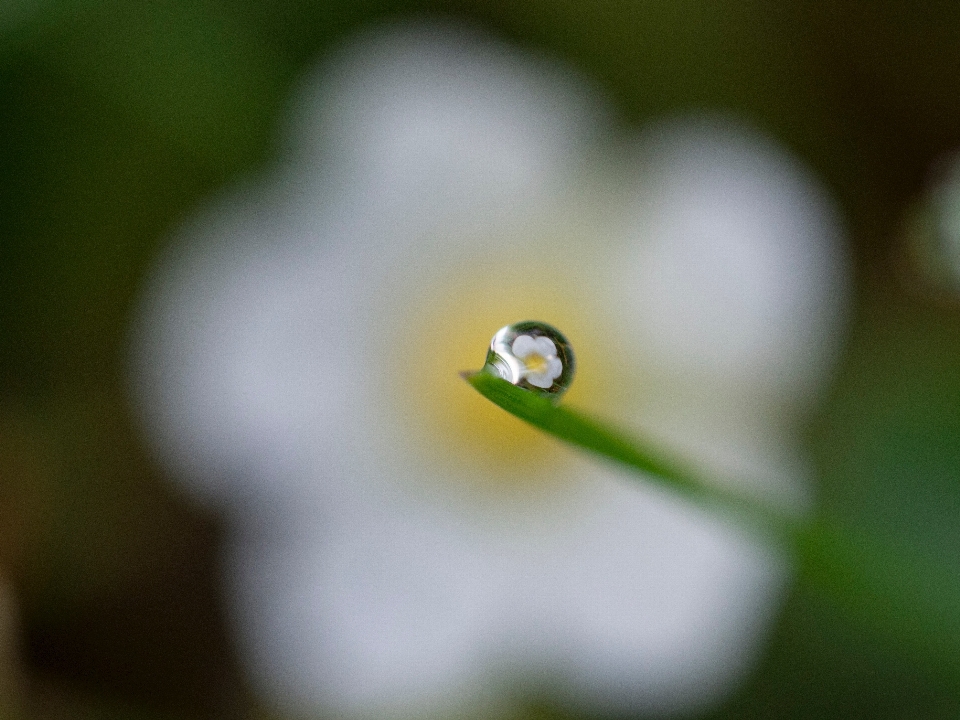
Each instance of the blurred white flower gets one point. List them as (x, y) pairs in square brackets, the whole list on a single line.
[(401, 546)]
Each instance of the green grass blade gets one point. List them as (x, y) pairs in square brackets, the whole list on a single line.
[(911, 599), (582, 431)]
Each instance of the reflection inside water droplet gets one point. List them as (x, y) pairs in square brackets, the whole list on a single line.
[(532, 355)]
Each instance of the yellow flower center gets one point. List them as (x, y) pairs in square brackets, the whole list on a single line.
[(469, 439), (535, 363)]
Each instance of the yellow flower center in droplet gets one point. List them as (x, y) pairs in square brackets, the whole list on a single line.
[(471, 440), (535, 363)]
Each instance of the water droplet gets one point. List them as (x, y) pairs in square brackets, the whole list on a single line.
[(532, 355)]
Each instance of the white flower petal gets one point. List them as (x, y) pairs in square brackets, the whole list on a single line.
[(731, 268), (523, 346), (209, 373), (540, 380), (441, 122), (545, 347), (367, 609), (646, 594), (554, 368)]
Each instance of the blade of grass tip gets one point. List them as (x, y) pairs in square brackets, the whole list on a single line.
[(912, 601), (577, 429)]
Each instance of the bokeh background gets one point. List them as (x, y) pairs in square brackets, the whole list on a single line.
[(117, 119)]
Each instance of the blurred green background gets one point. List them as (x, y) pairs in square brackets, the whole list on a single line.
[(118, 118)]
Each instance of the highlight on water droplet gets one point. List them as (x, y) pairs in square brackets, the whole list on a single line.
[(532, 355)]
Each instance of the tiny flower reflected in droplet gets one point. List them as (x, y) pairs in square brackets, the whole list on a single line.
[(533, 355), (541, 366)]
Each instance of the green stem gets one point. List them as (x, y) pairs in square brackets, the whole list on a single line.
[(911, 599), (589, 434)]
